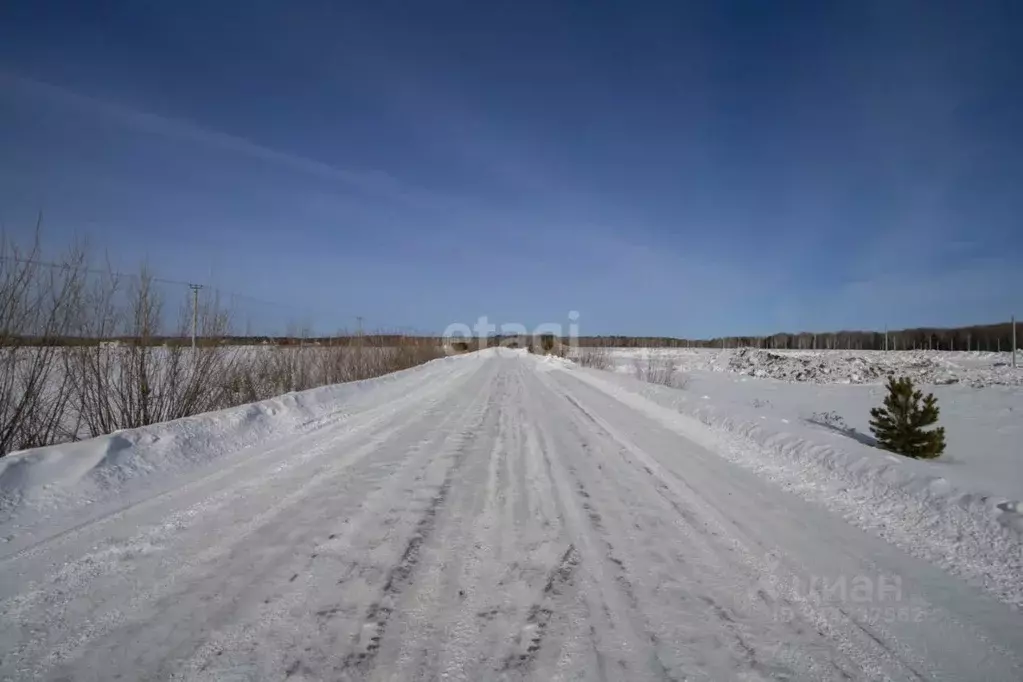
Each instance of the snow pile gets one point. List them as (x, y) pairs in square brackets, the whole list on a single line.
[(973, 368), (858, 367), (819, 368)]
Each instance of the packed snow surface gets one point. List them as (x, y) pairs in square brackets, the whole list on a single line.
[(496, 516)]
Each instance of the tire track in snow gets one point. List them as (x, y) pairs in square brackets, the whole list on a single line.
[(481, 537), (529, 639), (463, 607), (341, 587), (492, 560), (402, 575), (616, 626)]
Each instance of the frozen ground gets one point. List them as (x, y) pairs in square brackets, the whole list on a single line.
[(493, 516)]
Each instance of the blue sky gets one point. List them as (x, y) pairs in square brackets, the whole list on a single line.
[(678, 168)]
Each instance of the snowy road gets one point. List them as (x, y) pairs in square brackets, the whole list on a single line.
[(494, 518)]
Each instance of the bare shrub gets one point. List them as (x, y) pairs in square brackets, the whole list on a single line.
[(595, 357), (409, 353), (37, 307), (362, 358), (141, 375), (273, 369), (87, 355), (261, 372), (251, 377), (830, 419), (659, 370)]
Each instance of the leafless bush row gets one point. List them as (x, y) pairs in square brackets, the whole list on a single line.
[(36, 302), (257, 373), (56, 387), (595, 357)]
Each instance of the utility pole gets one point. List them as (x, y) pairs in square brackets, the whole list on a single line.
[(358, 320), (886, 337), (1014, 342), (195, 310)]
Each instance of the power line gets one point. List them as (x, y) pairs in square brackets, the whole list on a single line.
[(133, 275), (363, 323), (95, 271)]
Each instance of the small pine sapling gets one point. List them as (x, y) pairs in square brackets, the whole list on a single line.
[(899, 425)]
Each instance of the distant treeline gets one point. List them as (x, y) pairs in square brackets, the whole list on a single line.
[(989, 337)]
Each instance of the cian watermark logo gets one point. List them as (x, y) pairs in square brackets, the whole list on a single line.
[(872, 597)]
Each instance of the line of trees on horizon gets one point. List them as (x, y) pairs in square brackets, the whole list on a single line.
[(58, 288), (991, 337), (986, 337)]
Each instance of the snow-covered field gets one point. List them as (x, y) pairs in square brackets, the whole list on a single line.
[(825, 397), (504, 516), (821, 399)]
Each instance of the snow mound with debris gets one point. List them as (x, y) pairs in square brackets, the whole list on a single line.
[(848, 367), (815, 369)]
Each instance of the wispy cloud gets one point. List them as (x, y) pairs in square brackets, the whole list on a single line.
[(439, 224), (372, 182)]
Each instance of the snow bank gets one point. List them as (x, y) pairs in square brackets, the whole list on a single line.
[(961, 512), (549, 363), (96, 470)]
